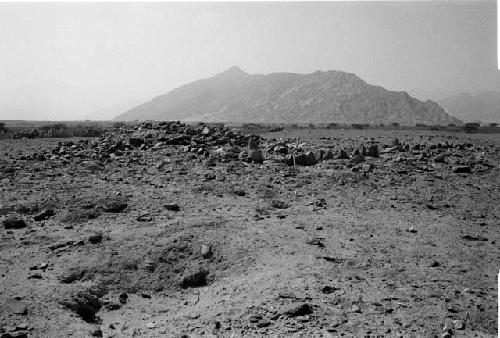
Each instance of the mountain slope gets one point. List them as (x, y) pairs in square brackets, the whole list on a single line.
[(320, 97), (484, 107)]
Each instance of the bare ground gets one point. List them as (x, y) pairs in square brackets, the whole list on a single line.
[(399, 251)]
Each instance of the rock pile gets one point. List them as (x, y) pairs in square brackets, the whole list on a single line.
[(216, 142), (202, 140)]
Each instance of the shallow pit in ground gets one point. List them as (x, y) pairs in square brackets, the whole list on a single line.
[(169, 265)]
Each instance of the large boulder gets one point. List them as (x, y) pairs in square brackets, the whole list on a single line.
[(306, 159)]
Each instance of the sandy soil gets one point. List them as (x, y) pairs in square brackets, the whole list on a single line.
[(396, 247)]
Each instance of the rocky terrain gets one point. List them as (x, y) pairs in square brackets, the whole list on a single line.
[(320, 97), (163, 230)]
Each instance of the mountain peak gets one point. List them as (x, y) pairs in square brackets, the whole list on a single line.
[(233, 71)]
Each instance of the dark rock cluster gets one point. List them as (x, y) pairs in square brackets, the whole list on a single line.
[(217, 142)]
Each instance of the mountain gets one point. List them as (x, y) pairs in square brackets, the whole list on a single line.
[(484, 106), (320, 97)]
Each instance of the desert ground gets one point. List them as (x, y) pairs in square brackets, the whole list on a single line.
[(166, 230)]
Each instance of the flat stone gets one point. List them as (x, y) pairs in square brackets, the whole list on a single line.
[(15, 306)]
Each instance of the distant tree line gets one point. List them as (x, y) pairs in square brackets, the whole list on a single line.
[(56, 130)]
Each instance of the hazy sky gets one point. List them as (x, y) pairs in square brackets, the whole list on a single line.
[(69, 60)]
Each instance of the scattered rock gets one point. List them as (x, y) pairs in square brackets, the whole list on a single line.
[(97, 333), (145, 218), (182, 335), (328, 289), (253, 142), (298, 309), (328, 155), (372, 151), (320, 202), (206, 251), (238, 191), (412, 229), (194, 280), (474, 238), (114, 206), (13, 223), (264, 323), (462, 169), (86, 303), (15, 334), (172, 207), (78, 216), (278, 204), (73, 275), (44, 215), (355, 309), (255, 318), (255, 156), (243, 155), (95, 239), (135, 141), (286, 294), (306, 159), (112, 306), (289, 160), (356, 159), (123, 298), (342, 155), (316, 241), (441, 158), (22, 326)]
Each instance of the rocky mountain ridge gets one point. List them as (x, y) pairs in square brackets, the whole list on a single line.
[(319, 97)]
